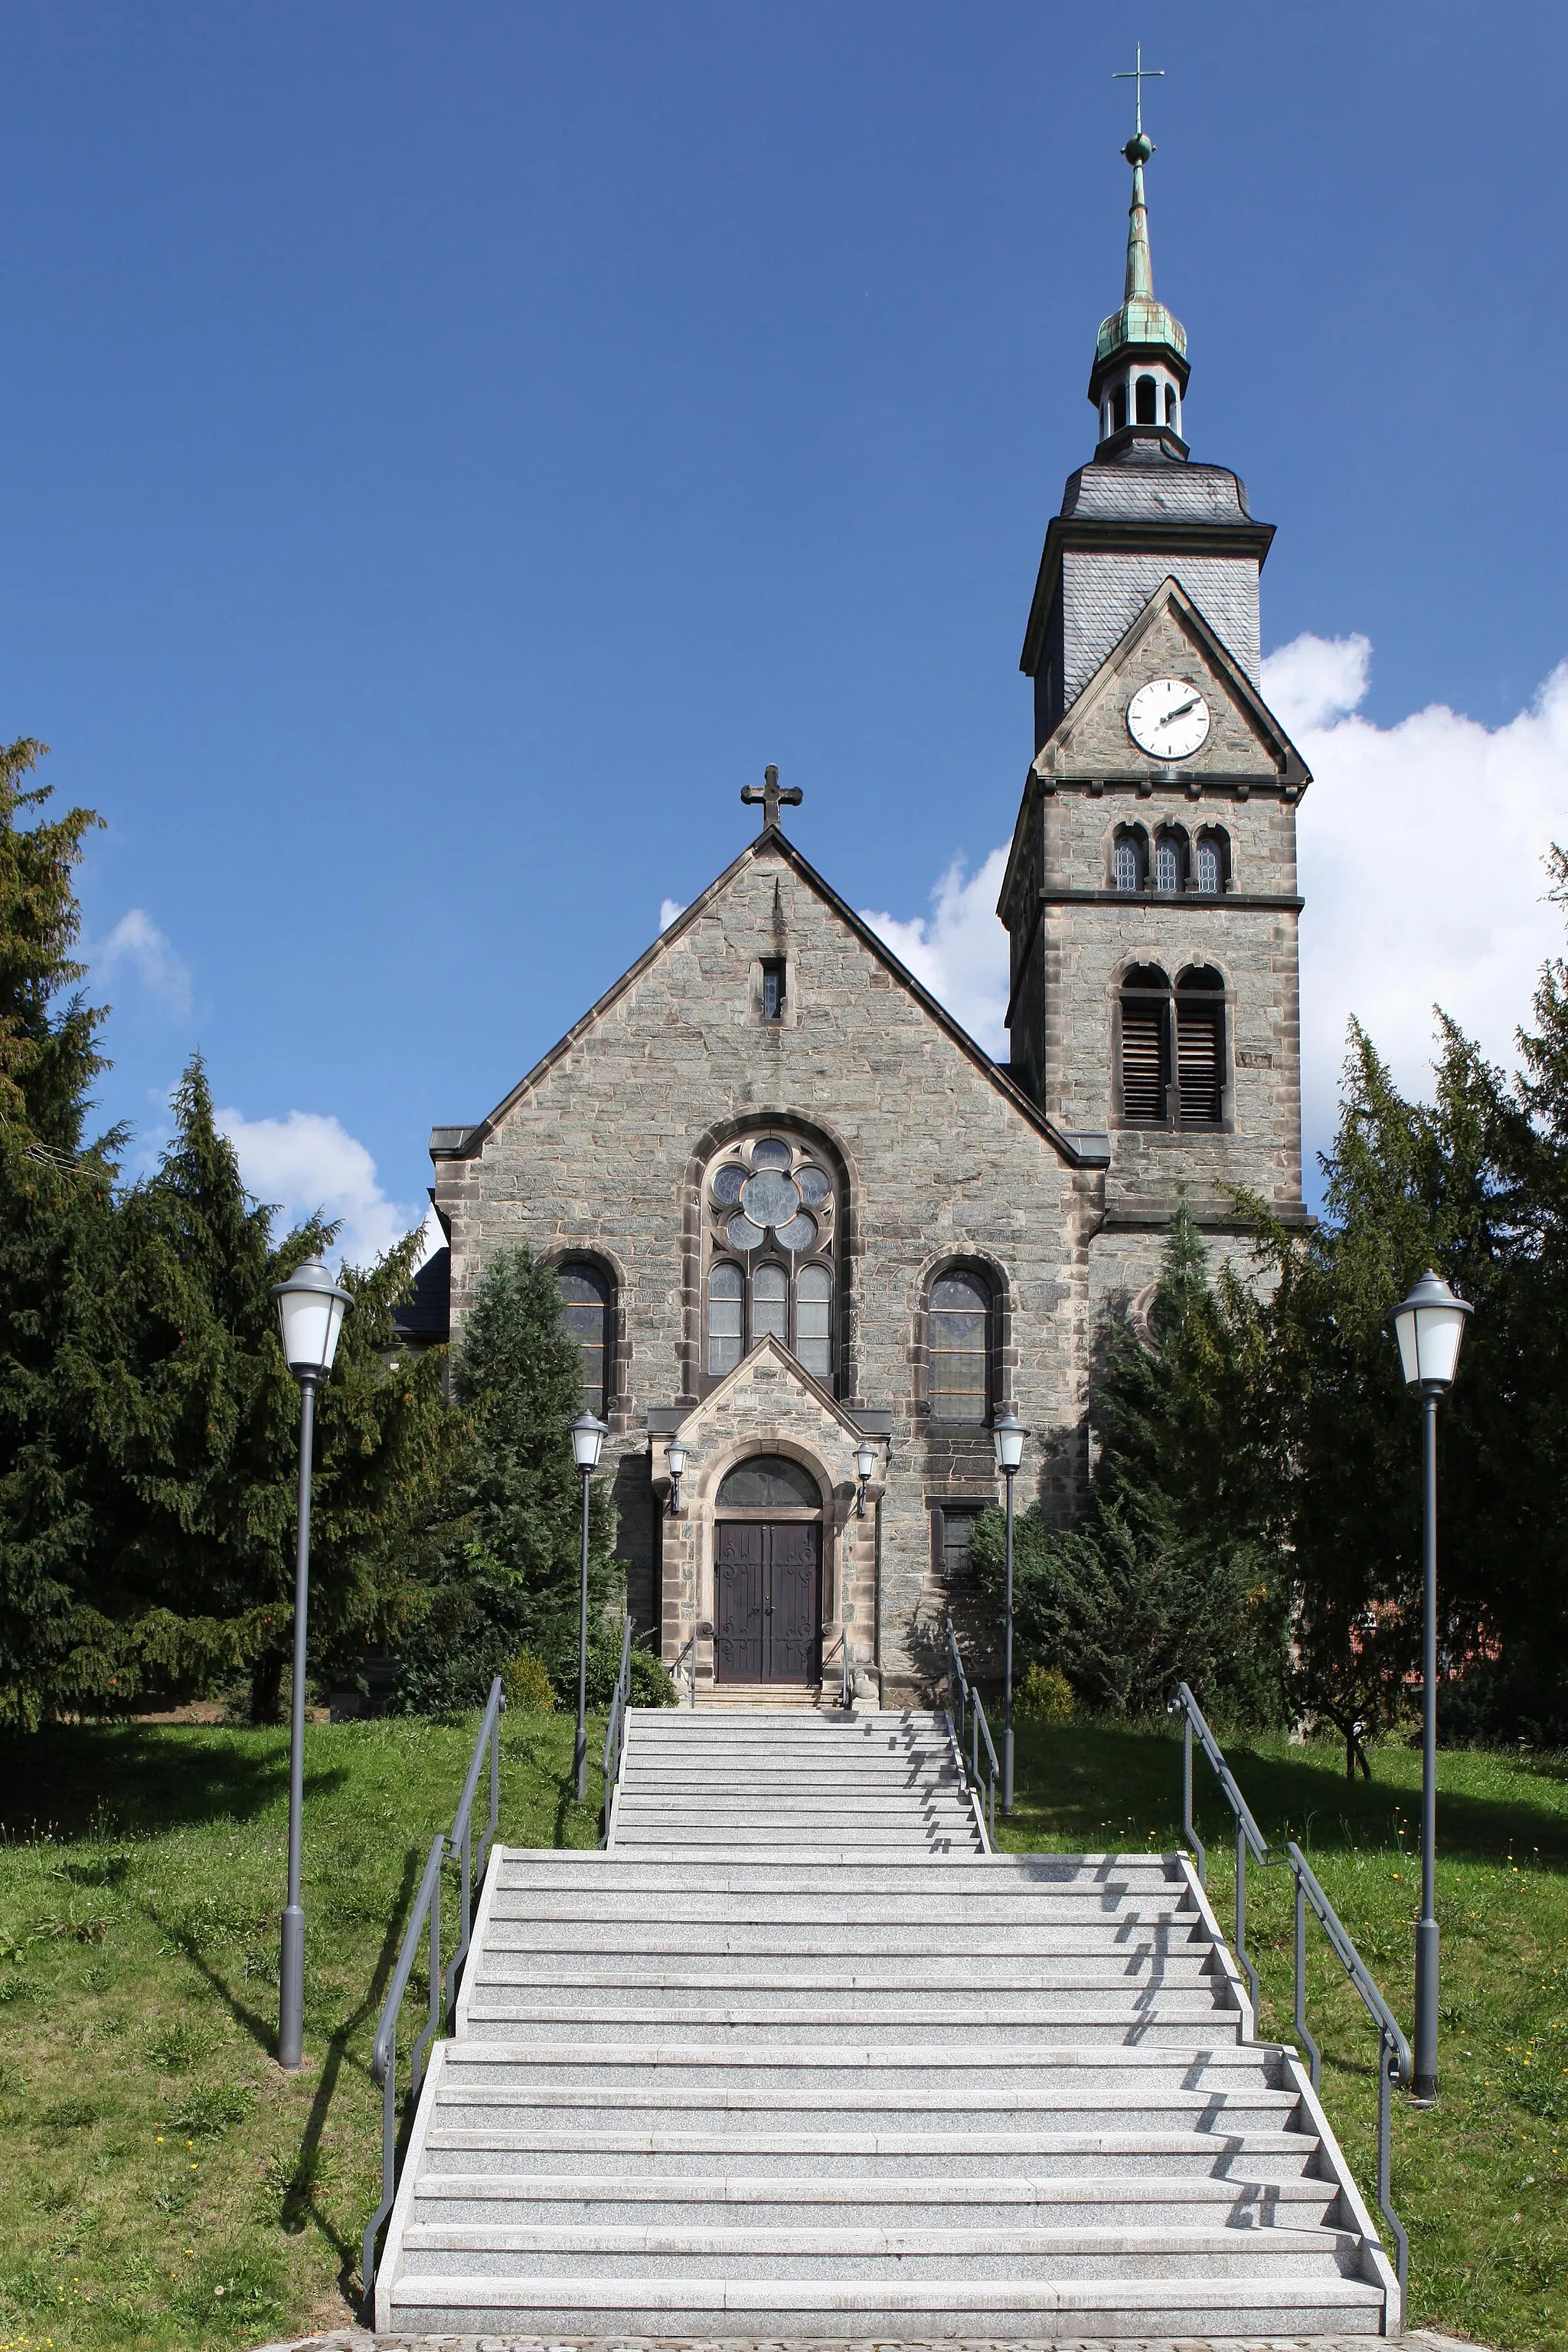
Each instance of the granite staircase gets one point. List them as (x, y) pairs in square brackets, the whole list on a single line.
[(798, 2056)]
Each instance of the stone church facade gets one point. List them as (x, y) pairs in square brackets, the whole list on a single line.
[(795, 1208)]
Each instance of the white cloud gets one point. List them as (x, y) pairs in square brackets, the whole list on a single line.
[(1421, 849), (668, 909), (136, 944), (960, 950), (1312, 681), (309, 1161)]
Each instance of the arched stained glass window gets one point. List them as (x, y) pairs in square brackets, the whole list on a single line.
[(769, 1482), (814, 1320), (770, 1304), (958, 1327), (586, 1294), (1209, 873), (726, 1305), (1126, 865), (1167, 866)]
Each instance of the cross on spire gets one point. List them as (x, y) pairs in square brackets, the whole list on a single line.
[(769, 796), (1140, 74)]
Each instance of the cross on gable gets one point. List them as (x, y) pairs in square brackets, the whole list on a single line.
[(771, 794)]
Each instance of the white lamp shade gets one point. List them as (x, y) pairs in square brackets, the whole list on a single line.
[(311, 1311), (865, 1460), (587, 1435), (675, 1455), (1429, 1326), (1008, 1433)]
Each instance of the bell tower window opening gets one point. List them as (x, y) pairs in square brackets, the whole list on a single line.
[(1145, 1045), (1171, 415), (770, 1226), (1148, 394), (1200, 1048), (1119, 408), (772, 988)]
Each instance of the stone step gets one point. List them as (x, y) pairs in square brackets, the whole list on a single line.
[(741, 2250), (842, 2095), (999, 1983), (867, 1912), (998, 1875), (718, 1938), (689, 1845), (955, 2307), (1144, 2026), (771, 2200), (884, 2068), (869, 2156)]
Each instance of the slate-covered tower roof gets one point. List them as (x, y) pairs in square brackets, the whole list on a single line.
[(1141, 511)]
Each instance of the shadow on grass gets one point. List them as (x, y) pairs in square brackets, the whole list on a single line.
[(131, 1780), (1102, 1786)]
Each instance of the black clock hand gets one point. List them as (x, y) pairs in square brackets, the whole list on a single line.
[(1181, 709)]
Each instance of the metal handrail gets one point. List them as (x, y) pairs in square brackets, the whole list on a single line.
[(972, 1717), (456, 1844), (845, 1672), (615, 1729), (1394, 2051)]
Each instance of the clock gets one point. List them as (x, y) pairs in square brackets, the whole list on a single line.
[(1168, 719)]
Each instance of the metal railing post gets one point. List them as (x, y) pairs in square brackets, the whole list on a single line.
[(1387, 2065), (1314, 2056)]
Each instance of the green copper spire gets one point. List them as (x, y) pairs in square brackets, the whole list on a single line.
[(1141, 318)]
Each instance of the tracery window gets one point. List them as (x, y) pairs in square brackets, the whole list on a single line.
[(771, 1215), (585, 1293), (958, 1347)]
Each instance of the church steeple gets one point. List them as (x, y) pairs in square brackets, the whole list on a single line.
[(1140, 372)]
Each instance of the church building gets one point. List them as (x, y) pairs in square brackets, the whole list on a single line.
[(813, 1240)]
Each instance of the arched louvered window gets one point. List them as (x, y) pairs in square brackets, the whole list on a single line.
[(1167, 865), (1209, 866), (1145, 1045), (958, 1348), (726, 1317), (585, 1293), (1127, 864), (1200, 1046)]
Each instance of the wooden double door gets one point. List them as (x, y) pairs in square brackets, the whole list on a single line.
[(768, 1600)]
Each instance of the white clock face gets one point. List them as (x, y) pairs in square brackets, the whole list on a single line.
[(1168, 719)]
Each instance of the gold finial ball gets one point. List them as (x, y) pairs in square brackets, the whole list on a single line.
[(1139, 148)]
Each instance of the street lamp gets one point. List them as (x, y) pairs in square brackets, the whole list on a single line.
[(311, 1310), (1008, 1433), (1429, 1325), (588, 1434), (865, 1464), (675, 1455)]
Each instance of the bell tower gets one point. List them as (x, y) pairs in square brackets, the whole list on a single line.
[(1151, 895)]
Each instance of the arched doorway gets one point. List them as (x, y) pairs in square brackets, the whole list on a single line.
[(767, 1573)]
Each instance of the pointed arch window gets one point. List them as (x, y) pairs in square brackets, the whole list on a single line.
[(770, 1214)]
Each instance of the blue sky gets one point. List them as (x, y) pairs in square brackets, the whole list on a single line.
[(448, 452)]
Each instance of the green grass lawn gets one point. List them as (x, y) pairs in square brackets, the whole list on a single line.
[(1480, 2182), (163, 2185), (162, 2182)]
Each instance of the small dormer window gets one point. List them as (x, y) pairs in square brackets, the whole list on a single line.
[(774, 988)]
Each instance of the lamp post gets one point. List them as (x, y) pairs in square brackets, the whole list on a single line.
[(1008, 1433), (588, 1434), (675, 1456), (865, 1464), (311, 1310), (1429, 1325)]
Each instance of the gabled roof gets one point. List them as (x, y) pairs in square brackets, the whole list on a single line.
[(771, 1346), (464, 1143)]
